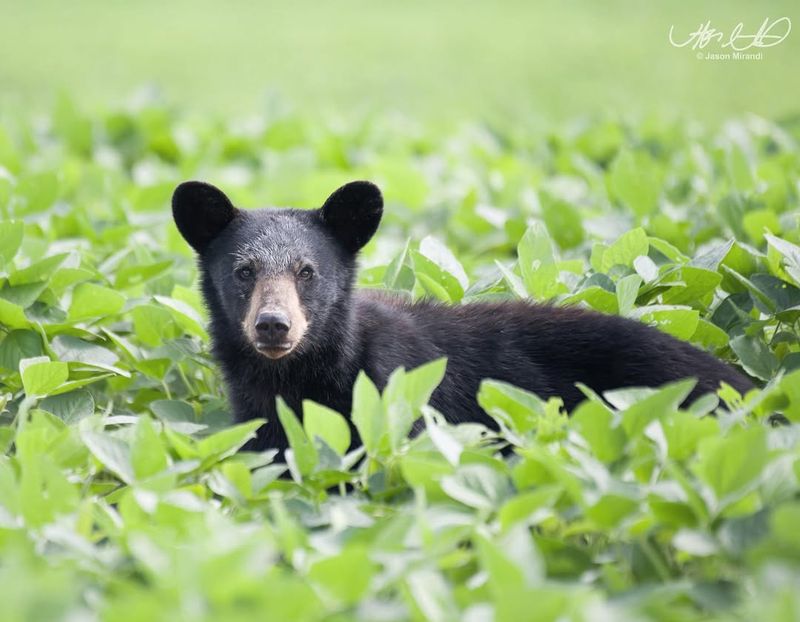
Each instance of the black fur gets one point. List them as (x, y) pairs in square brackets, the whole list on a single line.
[(541, 348)]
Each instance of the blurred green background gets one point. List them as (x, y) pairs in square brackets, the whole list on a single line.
[(542, 61)]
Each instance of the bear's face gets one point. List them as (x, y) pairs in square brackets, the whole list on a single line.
[(276, 275)]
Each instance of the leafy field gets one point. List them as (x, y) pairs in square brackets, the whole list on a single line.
[(123, 495)]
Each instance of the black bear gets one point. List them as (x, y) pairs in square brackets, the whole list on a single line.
[(286, 320)]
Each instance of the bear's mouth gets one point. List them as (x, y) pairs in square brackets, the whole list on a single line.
[(274, 350)]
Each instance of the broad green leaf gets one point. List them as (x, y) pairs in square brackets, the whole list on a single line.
[(18, 345), (625, 250), (790, 253), (38, 271), (730, 464), (563, 221), (679, 322), (72, 349), (477, 486), (611, 509), (41, 376), (439, 270), (305, 454), (11, 232), (186, 317), (755, 356), (93, 301), (627, 291), (70, 407), (113, 454), (659, 404), (345, 576), (513, 407), (399, 410), (684, 431), (421, 382), (12, 315), (148, 455), (327, 424), (226, 442), (368, 414), (537, 263), (596, 424), (635, 179)]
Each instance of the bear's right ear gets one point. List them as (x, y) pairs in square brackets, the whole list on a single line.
[(201, 212), (353, 213)]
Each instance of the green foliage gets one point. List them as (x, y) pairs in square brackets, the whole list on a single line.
[(124, 490)]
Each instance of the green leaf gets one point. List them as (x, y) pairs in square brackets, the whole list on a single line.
[(12, 315), (305, 454), (537, 263), (511, 561), (18, 345), (679, 322), (698, 283), (11, 232), (625, 250), (23, 295), (684, 431), (439, 270), (93, 301), (41, 376), (398, 275), (148, 455), (729, 465), (345, 576), (513, 407), (512, 281), (153, 324), (529, 505), (635, 179), (228, 441), (398, 408), (755, 356), (130, 276), (327, 424), (72, 349), (368, 413), (112, 453), (563, 221), (185, 316), (595, 422), (39, 270), (610, 509), (421, 382), (757, 223), (659, 404), (477, 486), (70, 407), (627, 291), (790, 253)]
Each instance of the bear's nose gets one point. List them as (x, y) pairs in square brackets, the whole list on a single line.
[(272, 325)]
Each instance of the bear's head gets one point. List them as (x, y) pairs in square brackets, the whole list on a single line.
[(279, 278)]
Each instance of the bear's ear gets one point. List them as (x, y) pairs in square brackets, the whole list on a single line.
[(201, 212), (353, 213)]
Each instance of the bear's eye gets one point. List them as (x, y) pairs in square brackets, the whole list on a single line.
[(245, 273), (306, 272)]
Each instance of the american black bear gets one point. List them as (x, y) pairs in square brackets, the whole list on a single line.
[(286, 320)]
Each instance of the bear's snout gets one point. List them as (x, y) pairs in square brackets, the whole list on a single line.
[(272, 326), (275, 322)]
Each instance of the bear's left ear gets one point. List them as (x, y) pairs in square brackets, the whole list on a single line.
[(353, 213), (201, 212)]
